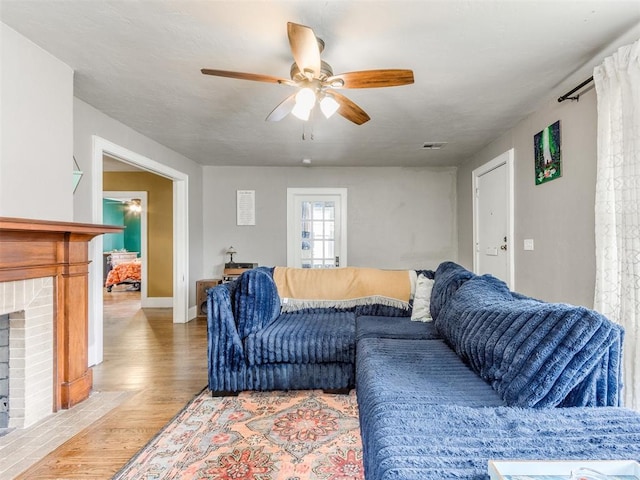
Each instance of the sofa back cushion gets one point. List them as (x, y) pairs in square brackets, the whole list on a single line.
[(533, 353), (256, 301), (447, 279)]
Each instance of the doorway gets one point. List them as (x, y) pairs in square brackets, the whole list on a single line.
[(180, 299), (316, 227), (130, 209), (493, 225)]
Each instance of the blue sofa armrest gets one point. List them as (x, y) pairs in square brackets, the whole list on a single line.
[(255, 302), (225, 352)]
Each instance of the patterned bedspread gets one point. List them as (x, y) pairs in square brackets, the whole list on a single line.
[(128, 271)]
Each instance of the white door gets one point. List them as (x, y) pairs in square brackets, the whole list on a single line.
[(316, 228), (493, 225)]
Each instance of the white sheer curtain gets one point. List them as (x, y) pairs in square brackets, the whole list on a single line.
[(617, 293)]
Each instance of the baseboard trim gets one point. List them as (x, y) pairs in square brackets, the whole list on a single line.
[(192, 313), (157, 302)]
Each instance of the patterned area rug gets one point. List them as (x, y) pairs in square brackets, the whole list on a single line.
[(256, 436)]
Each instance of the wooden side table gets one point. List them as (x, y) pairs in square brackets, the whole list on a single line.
[(201, 294)]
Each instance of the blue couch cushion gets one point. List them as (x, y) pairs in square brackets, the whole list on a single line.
[(256, 300), (394, 327), (399, 370), (535, 354), (419, 441), (448, 278), (304, 338)]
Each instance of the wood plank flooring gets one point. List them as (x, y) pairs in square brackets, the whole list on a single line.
[(144, 352)]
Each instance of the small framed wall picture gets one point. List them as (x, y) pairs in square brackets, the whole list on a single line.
[(245, 207), (546, 148)]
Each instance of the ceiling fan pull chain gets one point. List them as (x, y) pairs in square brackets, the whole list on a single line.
[(307, 135)]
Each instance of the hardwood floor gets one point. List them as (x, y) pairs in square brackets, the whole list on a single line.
[(144, 352)]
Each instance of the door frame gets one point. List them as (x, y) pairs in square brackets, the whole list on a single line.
[(506, 158), (180, 299), (126, 195), (292, 193)]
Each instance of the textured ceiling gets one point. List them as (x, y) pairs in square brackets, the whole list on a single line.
[(480, 66)]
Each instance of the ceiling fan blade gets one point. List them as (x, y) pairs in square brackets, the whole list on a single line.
[(371, 79), (283, 109), (350, 110), (256, 77), (304, 47)]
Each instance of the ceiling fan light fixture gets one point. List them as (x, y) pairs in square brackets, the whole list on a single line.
[(301, 112), (329, 106), (313, 76), (306, 98)]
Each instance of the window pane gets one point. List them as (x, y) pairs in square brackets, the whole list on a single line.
[(329, 211), (329, 228), (317, 250), (306, 210), (318, 208), (318, 230), (328, 250)]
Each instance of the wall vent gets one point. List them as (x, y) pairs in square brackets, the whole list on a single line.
[(433, 145)]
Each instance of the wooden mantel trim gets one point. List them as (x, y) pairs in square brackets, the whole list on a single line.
[(26, 224), (39, 248)]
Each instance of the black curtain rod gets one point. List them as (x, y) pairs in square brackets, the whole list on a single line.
[(577, 97)]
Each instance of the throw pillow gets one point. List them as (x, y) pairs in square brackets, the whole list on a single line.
[(422, 300)]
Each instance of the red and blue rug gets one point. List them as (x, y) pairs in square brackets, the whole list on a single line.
[(295, 435)]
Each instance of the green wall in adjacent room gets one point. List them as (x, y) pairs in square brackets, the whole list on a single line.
[(114, 212)]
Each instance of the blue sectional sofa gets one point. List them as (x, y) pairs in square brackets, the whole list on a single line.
[(496, 375), (252, 345)]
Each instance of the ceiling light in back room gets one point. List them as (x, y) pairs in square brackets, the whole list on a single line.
[(433, 145)]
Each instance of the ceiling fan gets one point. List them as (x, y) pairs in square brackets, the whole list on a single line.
[(316, 82)]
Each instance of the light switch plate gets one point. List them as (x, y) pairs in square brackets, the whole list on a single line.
[(528, 244)]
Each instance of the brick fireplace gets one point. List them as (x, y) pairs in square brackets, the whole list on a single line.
[(44, 271), (27, 310)]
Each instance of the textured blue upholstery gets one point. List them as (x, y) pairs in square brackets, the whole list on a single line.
[(304, 338), (304, 376), (448, 278), (370, 326), (425, 414), (421, 441), (256, 300), (400, 370), (252, 347), (535, 354), (227, 369)]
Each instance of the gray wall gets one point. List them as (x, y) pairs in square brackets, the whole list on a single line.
[(558, 215), (36, 151), (397, 217), (88, 122)]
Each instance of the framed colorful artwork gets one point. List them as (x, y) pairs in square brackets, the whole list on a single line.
[(546, 145)]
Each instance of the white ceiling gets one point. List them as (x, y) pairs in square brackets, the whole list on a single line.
[(480, 67)]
